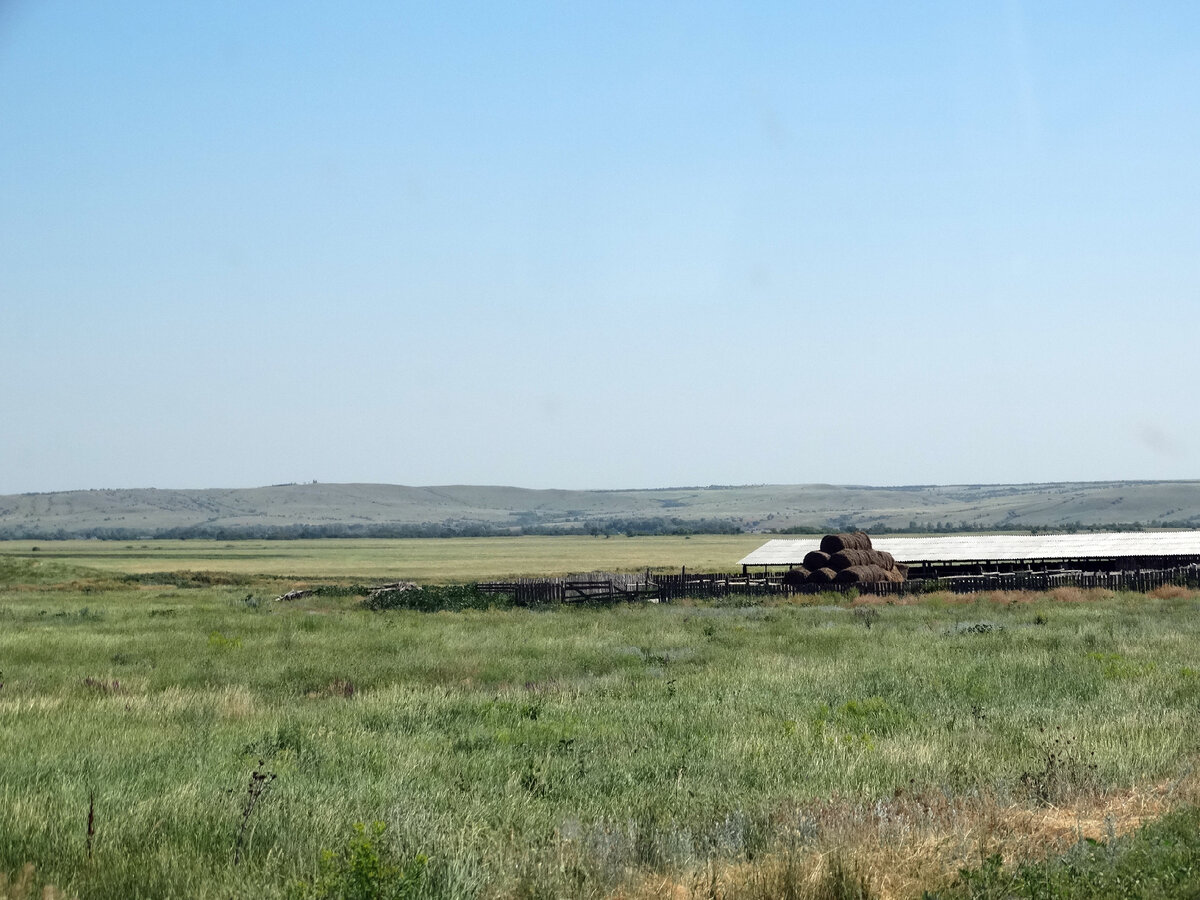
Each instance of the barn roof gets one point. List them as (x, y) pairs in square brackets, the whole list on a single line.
[(971, 548)]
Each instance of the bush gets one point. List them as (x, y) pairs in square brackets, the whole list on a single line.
[(434, 598), (365, 869)]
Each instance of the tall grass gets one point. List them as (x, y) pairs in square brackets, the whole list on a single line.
[(697, 749)]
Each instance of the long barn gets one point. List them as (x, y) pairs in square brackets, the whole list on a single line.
[(931, 557)]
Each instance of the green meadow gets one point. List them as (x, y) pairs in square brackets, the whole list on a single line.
[(168, 741), (440, 560)]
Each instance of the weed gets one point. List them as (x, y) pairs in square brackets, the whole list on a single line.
[(866, 615), (260, 782), (1065, 771), (91, 823), (366, 868)]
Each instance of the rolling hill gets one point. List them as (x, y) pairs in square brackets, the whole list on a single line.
[(386, 509)]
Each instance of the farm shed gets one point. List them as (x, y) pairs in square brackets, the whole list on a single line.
[(932, 557)]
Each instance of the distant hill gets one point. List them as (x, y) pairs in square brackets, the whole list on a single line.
[(298, 510)]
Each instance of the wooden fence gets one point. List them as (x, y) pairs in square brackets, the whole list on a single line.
[(532, 591), (721, 584), (609, 588)]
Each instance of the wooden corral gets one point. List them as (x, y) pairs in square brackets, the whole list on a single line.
[(666, 588)]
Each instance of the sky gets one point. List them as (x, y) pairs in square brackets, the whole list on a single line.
[(610, 245)]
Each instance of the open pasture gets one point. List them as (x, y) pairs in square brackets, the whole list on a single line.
[(416, 559), (695, 750)]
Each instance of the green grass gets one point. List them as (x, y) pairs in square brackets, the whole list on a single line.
[(565, 752)]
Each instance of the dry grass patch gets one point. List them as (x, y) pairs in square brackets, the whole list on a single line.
[(1172, 592), (1080, 595), (893, 849)]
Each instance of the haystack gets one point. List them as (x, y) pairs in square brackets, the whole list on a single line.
[(844, 559), (864, 575), (822, 576), (816, 559), (834, 543), (796, 577)]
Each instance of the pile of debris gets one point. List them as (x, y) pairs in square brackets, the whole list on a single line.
[(393, 587), (846, 559)]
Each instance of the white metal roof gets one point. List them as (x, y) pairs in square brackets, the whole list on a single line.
[(967, 548)]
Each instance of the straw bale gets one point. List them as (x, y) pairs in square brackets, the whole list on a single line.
[(862, 575), (822, 576), (816, 559), (857, 540), (796, 577), (844, 559)]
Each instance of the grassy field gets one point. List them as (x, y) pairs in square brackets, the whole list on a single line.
[(690, 751), (422, 560)]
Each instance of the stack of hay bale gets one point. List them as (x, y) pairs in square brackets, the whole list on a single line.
[(846, 559)]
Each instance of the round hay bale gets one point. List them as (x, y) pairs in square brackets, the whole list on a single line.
[(822, 576), (861, 575), (902, 571), (844, 559), (796, 577), (816, 559), (857, 540)]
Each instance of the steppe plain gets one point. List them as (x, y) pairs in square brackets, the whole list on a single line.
[(168, 729)]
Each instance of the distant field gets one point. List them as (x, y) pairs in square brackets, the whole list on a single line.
[(421, 560), (692, 751)]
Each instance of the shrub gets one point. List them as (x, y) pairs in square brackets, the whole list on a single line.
[(433, 598), (365, 869)]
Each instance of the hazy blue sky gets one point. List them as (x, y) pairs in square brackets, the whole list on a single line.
[(597, 245)]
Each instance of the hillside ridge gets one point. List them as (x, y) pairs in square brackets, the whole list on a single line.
[(316, 509)]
